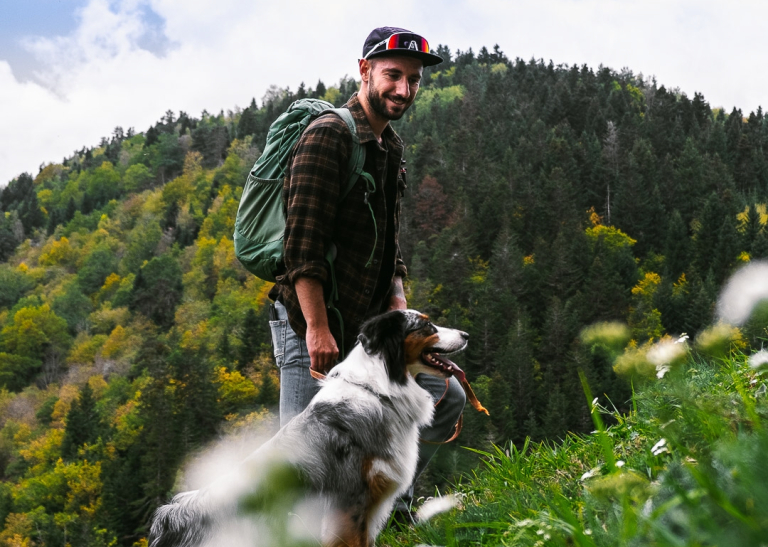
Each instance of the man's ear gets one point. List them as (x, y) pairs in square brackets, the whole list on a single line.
[(384, 335), (365, 69)]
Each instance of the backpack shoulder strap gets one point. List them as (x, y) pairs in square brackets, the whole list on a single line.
[(357, 154)]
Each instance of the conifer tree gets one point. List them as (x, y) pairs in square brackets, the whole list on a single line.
[(224, 349), (750, 228), (82, 423), (71, 210), (269, 394), (676, 247), (726, 251), (556, 414), (759, 249), (531, 427), (707, 235), (249, 338)]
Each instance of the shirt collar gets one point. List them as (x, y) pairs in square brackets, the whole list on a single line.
[(364, 131)]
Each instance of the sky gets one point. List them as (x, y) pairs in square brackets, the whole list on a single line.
[(73, 70)]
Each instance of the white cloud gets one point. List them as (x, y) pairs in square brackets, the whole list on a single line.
[(223, 52)]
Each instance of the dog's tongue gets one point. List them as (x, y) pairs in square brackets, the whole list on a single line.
[(451, 367), (461, 377)]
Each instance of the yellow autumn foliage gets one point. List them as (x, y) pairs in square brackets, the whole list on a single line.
[(85, 348), (613, 238), (235, 390), (58, 253), (43, 451), (67, 394)]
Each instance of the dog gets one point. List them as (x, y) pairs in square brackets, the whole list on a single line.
[(355, 446)]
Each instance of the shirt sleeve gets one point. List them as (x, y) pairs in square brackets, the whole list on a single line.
[(312, 190), (400, 269)]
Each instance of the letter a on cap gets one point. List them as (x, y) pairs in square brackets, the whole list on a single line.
[(413, 45)]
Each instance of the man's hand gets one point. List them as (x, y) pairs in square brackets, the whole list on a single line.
[(322, 348), (397, 295)]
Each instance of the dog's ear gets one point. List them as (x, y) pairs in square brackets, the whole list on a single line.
[(385, 335)]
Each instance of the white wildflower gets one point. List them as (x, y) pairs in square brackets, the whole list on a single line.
[(758, 359), (587, 532), (435, 506), (744, 290), (666, 352), (589, 474), (647, 507), (620, 463), (683, 338), (660, 447)]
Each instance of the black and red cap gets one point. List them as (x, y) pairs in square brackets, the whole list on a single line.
[(399, 41)]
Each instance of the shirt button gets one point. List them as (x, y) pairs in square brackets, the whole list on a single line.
[(375, 260), (367, 291)]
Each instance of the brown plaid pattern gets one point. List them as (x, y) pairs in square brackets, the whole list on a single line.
[(315, 178)]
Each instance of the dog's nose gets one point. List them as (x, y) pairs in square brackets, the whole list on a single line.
[(464, 335)]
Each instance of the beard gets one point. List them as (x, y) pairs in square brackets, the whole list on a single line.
[(378, 103)]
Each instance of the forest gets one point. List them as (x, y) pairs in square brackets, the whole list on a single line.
[(541, 199)]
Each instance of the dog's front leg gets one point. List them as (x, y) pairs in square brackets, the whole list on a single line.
[(346, 528)]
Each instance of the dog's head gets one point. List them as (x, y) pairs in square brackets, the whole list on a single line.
[(410, 344)]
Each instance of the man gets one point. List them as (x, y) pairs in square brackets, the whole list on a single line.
[(363, 228)]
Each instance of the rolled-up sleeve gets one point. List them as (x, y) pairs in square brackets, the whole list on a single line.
[(311, 193), (400, 269)]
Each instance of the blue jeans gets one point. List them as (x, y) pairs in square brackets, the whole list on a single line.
[(297, 387)]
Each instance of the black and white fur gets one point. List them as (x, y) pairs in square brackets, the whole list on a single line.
[(355, 445)]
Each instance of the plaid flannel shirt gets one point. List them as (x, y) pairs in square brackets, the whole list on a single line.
[(316, 175)]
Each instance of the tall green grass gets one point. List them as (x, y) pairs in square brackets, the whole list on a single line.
[(687, 467)]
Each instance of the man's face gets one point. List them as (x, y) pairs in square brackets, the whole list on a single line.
[(392, 85)]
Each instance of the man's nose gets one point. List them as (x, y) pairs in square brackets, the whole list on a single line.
[(403, 89)]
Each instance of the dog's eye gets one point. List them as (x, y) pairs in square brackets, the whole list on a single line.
[(431, 329)]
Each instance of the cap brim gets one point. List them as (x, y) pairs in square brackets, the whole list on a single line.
[(427, 59)]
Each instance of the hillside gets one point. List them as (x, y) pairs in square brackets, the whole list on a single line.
[(684, 467), (540, 199)]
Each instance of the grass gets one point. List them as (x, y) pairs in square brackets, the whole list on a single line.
[(687, 467)]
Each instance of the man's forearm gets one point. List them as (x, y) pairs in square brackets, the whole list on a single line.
[(322, 348), (310, 293), (397, 295)]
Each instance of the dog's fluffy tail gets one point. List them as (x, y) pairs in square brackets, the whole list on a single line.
[(185, 522)]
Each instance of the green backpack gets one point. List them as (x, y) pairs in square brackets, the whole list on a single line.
[(260, 222)]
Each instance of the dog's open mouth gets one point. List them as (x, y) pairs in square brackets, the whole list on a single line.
[(443, 364), (440, 362)]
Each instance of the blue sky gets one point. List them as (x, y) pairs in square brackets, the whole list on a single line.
[(73, 70), (22, 18)]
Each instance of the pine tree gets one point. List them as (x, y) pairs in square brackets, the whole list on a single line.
[(249, 338), (556, 415), (82, 424), (676, 247), (726, 251), (531, 427), (269, 393), (759, 249), (71, 210), (707, 235), (751, 227), (225, 350)]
